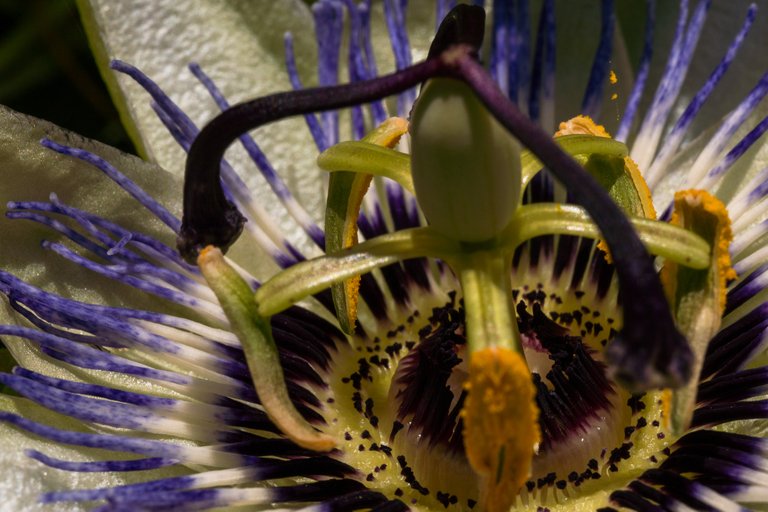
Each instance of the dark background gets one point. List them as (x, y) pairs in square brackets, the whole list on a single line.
[(46, 70)]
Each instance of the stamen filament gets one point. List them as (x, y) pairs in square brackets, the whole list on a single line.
[(358, 156), (261, 354), (364, 157)]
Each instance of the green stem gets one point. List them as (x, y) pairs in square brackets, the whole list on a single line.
[(489, 307)]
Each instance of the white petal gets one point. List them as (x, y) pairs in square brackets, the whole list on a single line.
[(232, 41), (240, 45), (30, 172)]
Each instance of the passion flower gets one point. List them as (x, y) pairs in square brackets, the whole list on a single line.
[(473, 380)]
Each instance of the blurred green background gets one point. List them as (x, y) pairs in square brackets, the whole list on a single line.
[(47, 71)]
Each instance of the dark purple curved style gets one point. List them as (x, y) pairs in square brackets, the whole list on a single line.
[(209, 218)]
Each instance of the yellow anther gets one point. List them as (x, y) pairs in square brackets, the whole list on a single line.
[(641, 187), (501, 429), (612, 78), (345, 197), (666, 408), (643, 205), (581, 125), (387, 134), (697, 297), (690, 204)]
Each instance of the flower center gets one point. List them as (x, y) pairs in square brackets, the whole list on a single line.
[(395, 397)]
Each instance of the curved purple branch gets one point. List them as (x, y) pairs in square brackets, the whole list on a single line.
[(209, 219)]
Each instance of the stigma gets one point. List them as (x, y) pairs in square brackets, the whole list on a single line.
[(501, 424)]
